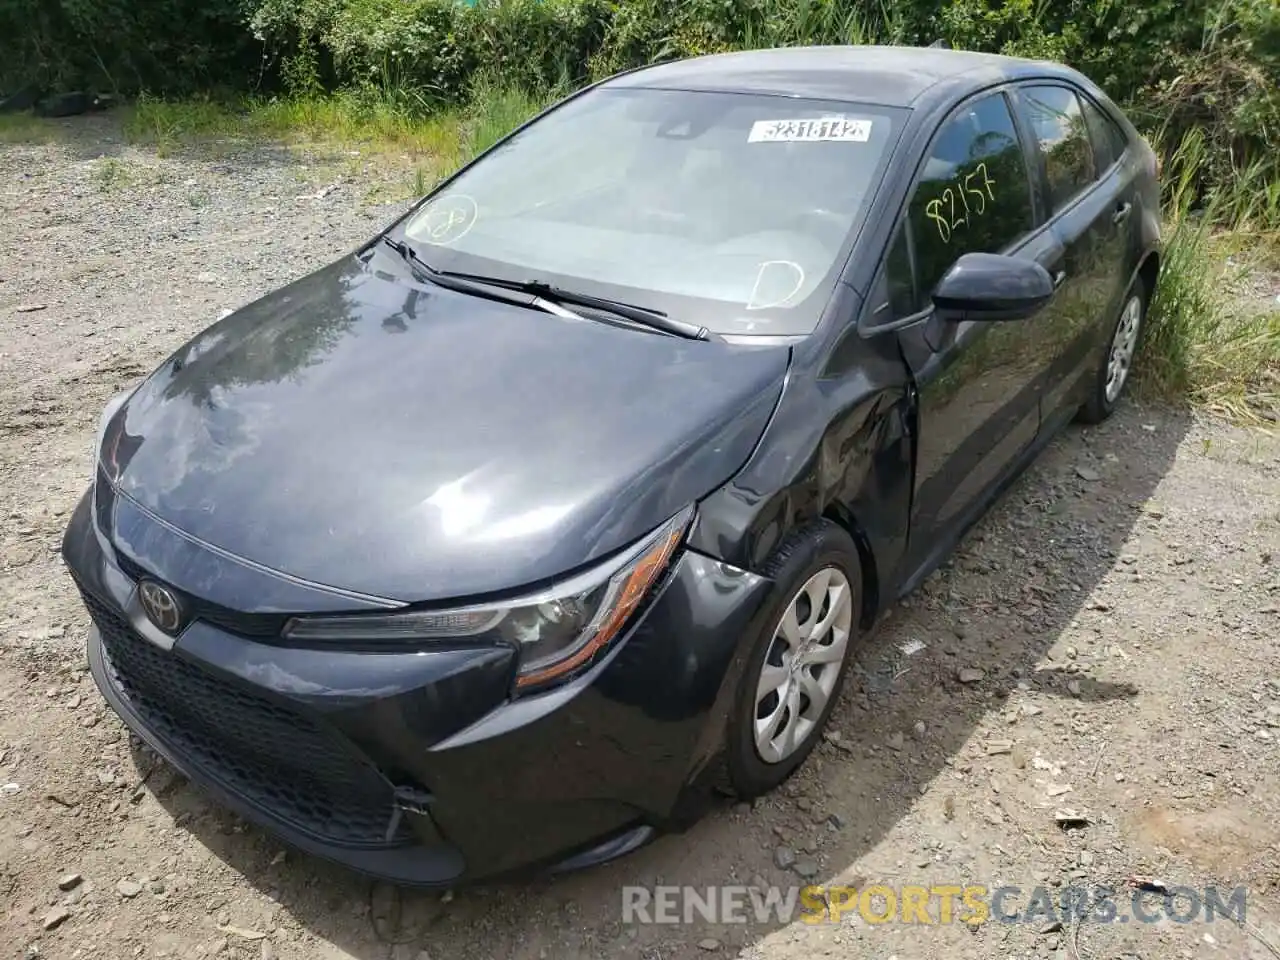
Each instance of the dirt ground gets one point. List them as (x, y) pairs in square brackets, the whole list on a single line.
[(1122, 603)]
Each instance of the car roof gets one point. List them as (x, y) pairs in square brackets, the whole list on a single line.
[(884, 75)]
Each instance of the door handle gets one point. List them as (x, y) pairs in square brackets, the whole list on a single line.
[(1122, 212)]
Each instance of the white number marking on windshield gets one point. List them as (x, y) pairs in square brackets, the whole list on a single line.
[(813, 130)]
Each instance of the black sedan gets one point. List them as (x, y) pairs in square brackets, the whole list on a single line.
[(508, 540)]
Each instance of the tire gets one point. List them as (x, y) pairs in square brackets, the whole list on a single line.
[(819, 548), (1129, 324)]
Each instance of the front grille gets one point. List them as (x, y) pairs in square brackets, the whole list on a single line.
[(259, 626), (273, 756)]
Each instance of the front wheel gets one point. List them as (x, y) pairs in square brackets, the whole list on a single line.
[(1117, 364), (798, 663)]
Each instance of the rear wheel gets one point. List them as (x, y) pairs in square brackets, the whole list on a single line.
[(798, 663), (1117, 364)]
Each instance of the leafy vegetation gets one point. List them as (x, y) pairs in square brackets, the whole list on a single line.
[(1212, 349)]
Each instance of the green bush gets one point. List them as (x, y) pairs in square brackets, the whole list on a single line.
[(431, 50), (127, 45)]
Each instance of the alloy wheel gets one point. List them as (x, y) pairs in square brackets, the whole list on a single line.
[(802, 664), (1123, 346)]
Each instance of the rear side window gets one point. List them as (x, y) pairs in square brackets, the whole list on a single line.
[(973, 195), (1108, 139), (1062, 134)]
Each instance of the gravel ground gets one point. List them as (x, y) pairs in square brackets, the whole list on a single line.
[(1105, 642)]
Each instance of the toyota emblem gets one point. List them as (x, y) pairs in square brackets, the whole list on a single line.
[(160, 605)]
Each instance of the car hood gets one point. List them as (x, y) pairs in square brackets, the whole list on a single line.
[(362, 430)]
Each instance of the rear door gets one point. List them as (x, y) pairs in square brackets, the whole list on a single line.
[(1089, 199), (978, 403)]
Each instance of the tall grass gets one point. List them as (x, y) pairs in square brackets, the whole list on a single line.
[(346, 118), (435, 141), (804, 22), (495, 109), (1201, 343), (25, 128)]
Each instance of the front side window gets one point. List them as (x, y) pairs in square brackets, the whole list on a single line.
[(1063, 138), (973, 196), (733, 211)]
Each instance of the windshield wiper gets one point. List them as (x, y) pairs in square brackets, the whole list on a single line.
[(546, 297), (460, 284), (644, 316)]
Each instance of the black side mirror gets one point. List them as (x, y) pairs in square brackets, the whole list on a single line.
[(991, 286)]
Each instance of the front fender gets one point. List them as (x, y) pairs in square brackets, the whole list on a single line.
[(838, 446)]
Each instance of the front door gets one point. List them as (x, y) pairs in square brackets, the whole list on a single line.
[(977, 382)]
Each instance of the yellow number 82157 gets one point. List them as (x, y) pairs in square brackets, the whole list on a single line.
[(942, 210)]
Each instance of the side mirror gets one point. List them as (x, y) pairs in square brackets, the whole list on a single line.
[(991, 286)]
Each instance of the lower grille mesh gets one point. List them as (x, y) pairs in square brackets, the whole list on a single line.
[(276, 758)]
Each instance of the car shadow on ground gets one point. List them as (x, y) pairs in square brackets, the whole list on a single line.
[(1020, 579)]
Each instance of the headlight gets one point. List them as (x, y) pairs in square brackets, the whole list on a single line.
[(556, 631)]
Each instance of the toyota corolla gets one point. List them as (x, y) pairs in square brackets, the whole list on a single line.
[(508, 539)]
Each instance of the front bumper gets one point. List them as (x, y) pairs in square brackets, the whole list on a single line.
[(417, 767)]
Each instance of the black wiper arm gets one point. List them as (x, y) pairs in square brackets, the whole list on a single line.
[(645, 316), (460, 283)]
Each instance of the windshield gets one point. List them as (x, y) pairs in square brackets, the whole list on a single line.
[(727, 210)]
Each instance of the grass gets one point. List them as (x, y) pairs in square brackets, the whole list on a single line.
[(1202, 344), (25, 128), (435, 140), (338, 120), (496, 110), (112, 173)]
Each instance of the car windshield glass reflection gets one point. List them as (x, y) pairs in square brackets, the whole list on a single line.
[(727, 210)]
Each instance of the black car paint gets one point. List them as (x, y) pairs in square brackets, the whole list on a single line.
[(562, 441), (989, 287), (513, 783), (969, 453), (878, 427)]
